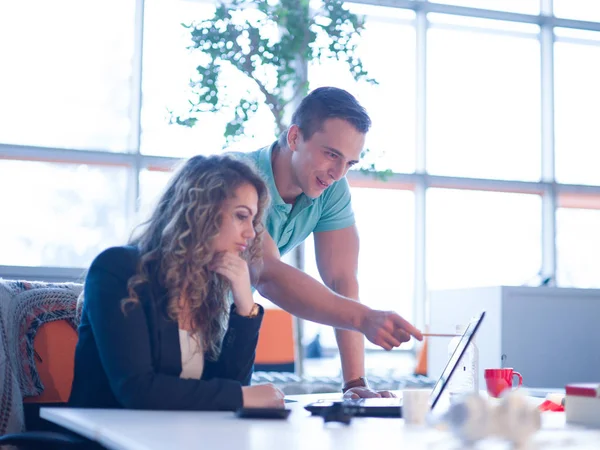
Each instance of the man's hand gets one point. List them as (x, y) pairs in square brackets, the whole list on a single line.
[(365, 392), (387, 329)]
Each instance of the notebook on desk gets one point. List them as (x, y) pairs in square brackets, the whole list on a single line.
[(392, 407)]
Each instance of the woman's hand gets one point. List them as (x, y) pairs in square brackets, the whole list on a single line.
[(262, 396), (235, 269)]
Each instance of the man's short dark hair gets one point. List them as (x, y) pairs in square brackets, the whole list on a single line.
[(327, 103)]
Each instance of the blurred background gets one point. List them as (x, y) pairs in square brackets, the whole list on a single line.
[(486, 119)]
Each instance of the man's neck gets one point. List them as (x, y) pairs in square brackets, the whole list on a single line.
[(281, 162)]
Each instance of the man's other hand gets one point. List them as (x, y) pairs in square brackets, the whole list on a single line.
[(365, 392)]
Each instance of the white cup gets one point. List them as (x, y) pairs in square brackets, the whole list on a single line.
[(415, 406)]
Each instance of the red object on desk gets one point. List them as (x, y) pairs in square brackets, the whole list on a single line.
[(551, 406), (583, 389), (499, 380)]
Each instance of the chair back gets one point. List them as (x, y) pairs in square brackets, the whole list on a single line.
[(54, 346), (275, 349), (38, 338)]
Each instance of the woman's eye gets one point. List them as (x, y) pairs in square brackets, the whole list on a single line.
[(242, 217)]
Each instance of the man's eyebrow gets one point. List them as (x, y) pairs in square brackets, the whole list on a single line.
[(340, 154)]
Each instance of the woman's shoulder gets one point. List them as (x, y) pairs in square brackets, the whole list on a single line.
[(117, 259)]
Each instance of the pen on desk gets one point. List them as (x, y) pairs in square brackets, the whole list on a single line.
[(439, 335)]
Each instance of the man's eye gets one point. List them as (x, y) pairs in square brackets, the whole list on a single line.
[(332, 155)]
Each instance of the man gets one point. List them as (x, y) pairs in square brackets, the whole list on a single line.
[(305, 171)]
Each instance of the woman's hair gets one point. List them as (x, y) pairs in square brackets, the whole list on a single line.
[(175, 244)]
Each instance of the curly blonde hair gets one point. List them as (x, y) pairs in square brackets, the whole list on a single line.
[(175, 244)]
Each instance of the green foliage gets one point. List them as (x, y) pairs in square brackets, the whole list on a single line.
[(368, 165), (270, 42)]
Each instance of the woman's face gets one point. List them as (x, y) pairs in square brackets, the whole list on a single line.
[(237, 228)]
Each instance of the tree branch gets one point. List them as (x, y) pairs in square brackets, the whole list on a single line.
[(248, 69)]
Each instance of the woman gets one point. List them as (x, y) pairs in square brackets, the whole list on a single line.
[(157, 329)]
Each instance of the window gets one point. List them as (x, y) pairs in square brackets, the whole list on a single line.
[(483, 99), (66, 77), (588, 10), (73, 150), (578, 247), (61, 215), (152, 185), (519, 6), (577, 96), (386, 259), (168, 68), (477, 238), (391, 103)]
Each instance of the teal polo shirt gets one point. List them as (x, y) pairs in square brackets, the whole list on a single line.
[(289, 225)]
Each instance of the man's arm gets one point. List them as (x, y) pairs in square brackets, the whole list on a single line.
[(303, 296), (337, 260)]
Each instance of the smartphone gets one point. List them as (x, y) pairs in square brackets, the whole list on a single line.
[(263, 413)]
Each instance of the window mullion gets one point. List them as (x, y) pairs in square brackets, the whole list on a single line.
[(549, 201)]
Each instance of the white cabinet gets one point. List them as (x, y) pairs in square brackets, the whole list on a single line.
[(550, 335)]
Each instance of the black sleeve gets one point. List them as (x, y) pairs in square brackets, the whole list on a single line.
[(239, 349), (123, 343)]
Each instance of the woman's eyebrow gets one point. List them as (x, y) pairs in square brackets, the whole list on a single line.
[(246, 208)]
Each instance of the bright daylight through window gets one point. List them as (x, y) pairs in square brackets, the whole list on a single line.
[(483, 159)]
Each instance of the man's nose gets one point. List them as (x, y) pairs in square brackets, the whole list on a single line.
[(338, 171)]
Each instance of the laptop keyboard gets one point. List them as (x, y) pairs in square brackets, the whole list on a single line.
[(381, 402), (292, 384)]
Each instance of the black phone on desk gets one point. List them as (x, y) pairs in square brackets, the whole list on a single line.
[(263, 413)]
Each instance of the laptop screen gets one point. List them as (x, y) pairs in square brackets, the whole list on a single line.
[(455, 358)]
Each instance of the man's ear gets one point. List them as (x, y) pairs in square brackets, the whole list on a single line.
[(294, 136)]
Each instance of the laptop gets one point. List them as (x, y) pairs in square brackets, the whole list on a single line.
[(392, 407)]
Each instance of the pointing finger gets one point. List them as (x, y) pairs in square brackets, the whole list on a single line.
[(404, 324)]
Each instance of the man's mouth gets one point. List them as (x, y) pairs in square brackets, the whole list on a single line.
[(325, 185)]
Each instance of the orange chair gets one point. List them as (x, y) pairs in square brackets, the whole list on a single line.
[(275, 350), (54, 345), (55, 353)]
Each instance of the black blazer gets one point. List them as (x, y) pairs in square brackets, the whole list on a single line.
[(134, 360)]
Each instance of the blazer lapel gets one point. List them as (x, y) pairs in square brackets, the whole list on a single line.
[(168, 351)]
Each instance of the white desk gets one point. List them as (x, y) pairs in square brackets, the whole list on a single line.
[(149, 430)]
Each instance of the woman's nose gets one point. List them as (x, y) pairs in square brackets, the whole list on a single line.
[(249, 232)]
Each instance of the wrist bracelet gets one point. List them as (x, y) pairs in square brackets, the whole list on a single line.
[(357, 382), (253, 312)]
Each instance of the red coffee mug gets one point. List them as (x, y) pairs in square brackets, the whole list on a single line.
[(498, 380)]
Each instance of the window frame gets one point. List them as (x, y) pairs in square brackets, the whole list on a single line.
[(553, 194)]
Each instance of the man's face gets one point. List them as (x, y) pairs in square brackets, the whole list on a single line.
[(326, 157)]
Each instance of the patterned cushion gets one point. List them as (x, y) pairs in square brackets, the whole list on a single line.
[(24, 307)]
